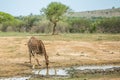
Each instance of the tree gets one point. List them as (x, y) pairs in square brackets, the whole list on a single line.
[(6, 20), (5, 17), (54, 12)]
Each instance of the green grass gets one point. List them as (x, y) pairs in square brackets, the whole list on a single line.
[(66, 37), (7, 34), (93, 37)]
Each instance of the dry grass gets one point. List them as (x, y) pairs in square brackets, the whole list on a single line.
[(62, 52)]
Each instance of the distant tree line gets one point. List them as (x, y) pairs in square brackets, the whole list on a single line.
[(39, 24), (55, 20)]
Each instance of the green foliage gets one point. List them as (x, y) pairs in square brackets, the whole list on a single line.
[(55, 10), (14, 25), (28, 21), (5, 17), (79, 25), (9, 23), (109, 25), (93, 26)]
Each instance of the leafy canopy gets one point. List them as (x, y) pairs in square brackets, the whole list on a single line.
[(54, 11), (5, 17)]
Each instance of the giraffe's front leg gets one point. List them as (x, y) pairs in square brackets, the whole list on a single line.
[(30, 55), (35, 60), (38, 62)]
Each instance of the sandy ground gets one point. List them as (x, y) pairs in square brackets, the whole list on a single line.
[(14, 54)]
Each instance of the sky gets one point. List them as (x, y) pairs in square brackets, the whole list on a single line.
[(26, 7)]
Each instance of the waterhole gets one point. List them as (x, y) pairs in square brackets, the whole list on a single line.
[(16, 78), (63, 72)]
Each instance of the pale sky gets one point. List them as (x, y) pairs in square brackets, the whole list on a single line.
[(25, 7)]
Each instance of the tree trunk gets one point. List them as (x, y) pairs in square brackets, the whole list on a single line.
[(54, 28)]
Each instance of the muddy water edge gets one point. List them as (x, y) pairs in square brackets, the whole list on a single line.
[(71, 72), (108, 72)]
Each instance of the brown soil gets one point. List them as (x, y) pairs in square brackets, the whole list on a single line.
[(14, 54)]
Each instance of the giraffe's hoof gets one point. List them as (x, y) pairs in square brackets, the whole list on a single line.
[(33, 67)]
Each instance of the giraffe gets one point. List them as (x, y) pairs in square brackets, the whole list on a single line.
[(36, 47)]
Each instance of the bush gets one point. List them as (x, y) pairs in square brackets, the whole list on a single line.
[(41, 27), (109, 25), (79, 25), (62, 27)]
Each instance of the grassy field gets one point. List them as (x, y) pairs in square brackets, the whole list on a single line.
[(75, 36), (78, 49)]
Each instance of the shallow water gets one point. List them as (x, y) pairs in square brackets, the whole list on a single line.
[(104, 67), (63, 71), (52, 71), (16, 78), (60, 71)]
